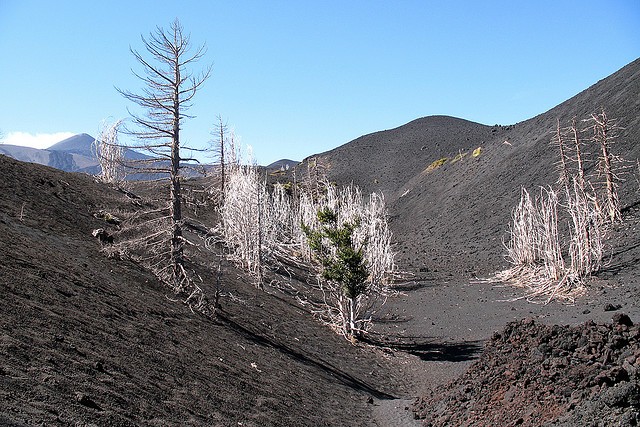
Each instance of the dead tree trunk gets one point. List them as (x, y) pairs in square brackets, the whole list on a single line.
[(559, 140), (168, 94), (580, 162), (176, 195), (603, 136)]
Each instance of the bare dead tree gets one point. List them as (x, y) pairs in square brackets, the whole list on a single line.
[(260, 196), (536, 248), (604, 134), (316, 174), (166, 97), (558, 140), (239, 215), (264, 232), (110, 153), (219, 144), (577, 142), (586, 235)]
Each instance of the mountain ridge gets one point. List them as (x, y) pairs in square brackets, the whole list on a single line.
[(73, 154), (444, 202)]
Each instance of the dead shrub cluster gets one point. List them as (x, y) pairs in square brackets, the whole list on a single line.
[(264, 232), (556, 240), (110, 154)]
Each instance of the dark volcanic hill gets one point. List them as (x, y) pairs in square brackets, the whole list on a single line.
[(386, 160), (459, 212)]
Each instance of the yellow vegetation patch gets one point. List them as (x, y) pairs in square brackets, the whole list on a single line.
[(461, 155), (436, 164)]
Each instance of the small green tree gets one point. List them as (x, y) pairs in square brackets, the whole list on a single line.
[(343, 266)]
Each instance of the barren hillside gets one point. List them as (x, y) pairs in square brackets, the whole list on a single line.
[(457, 213), (89, 340)]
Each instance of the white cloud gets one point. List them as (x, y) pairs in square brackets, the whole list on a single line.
[(38, 140)]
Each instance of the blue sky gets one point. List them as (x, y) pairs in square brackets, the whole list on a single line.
[(296, 78)]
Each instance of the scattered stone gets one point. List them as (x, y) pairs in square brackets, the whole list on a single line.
[(531, 374), (85, 400), (612, 307), (103, 236), (622, 319)]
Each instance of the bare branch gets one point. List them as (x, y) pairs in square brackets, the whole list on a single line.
[(169, 86)]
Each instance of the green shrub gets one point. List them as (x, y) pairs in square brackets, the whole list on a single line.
[(343, 263)]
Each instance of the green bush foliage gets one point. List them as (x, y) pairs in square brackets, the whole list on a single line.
[(346, 264), (342, 263)]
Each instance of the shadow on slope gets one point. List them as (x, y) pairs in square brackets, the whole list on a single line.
[(433, 351)]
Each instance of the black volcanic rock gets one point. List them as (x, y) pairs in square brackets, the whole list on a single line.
[(546, 375)]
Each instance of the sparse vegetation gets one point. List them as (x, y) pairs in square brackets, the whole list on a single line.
[(552, 260), (436, 164), (352, 242), (343, 267), (270, 230), (461, 155)]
